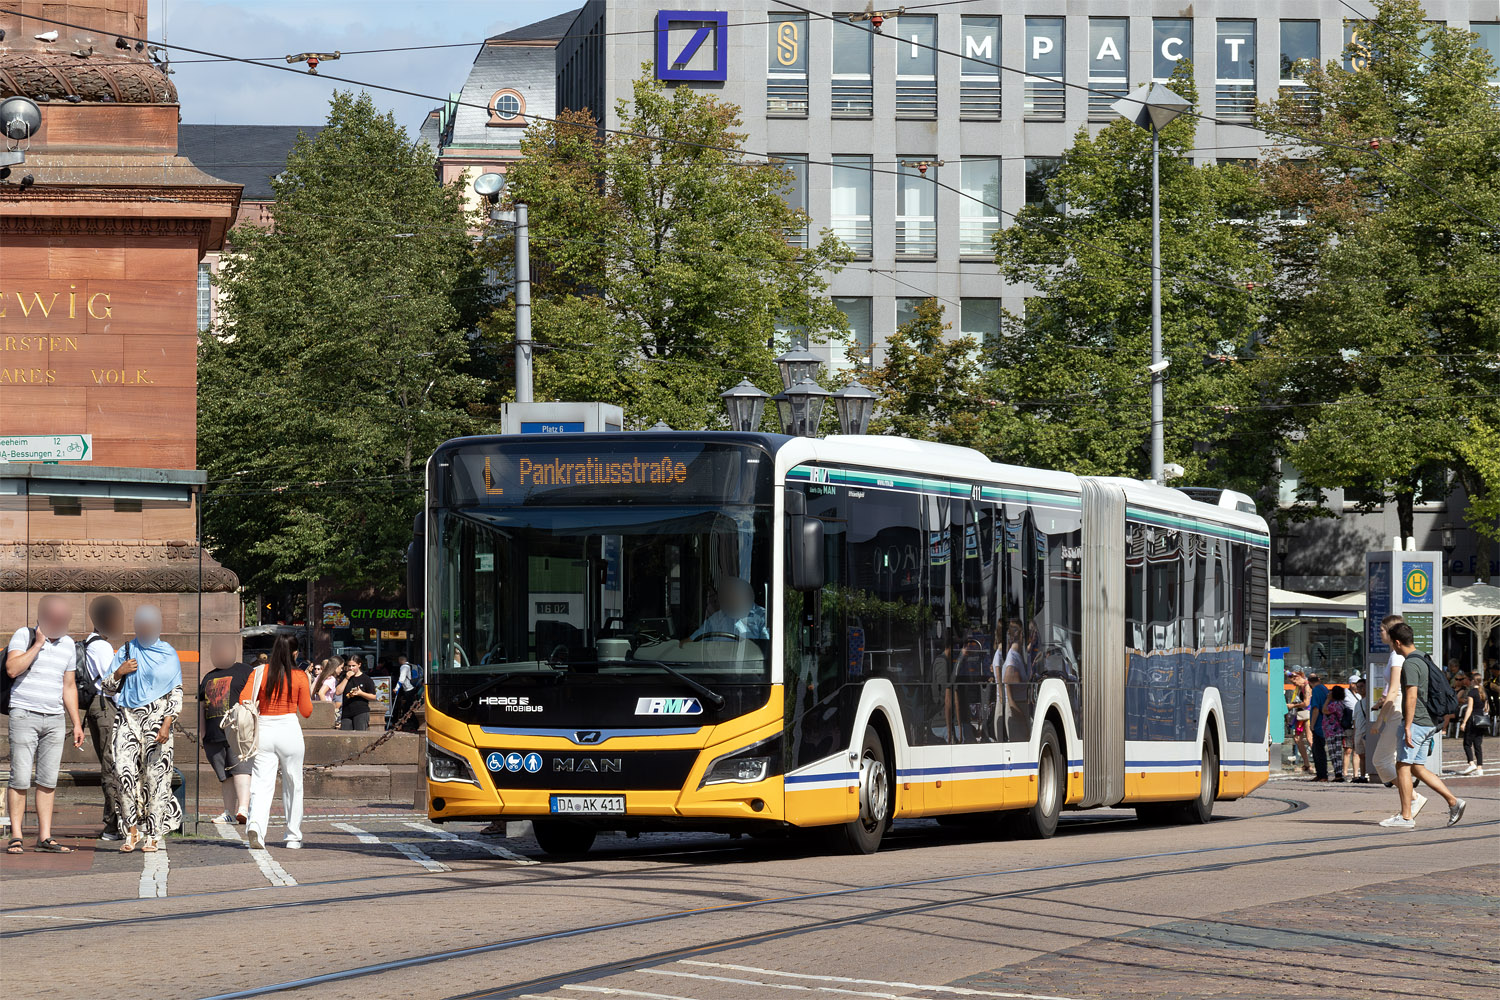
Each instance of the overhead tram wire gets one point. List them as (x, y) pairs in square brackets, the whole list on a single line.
[(1300, 139), (1235, 286)]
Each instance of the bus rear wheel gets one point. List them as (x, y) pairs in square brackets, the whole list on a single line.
[(562, 839), (862, 835), (1201, 809), (1040, 821)]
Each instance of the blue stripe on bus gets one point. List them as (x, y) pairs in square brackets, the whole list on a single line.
[(802, 779), (604, 734)]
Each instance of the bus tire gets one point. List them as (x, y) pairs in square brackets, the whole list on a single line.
[(1201, 809), (562, 839), (862, 835), (1040, 821)]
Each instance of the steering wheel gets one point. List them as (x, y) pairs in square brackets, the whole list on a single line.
[(717, 636)]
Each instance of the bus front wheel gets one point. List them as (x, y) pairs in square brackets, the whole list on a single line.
[(1040, 821), (562, 839), (862, 835)]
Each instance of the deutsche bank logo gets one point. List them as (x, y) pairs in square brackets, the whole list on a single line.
[(692, 45), (668, 706)]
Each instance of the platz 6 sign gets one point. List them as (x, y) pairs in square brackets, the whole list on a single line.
[(692, 46)]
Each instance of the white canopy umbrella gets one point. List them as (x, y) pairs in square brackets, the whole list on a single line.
[(1476, 608)]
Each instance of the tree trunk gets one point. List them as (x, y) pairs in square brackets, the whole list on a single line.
[(1481, 557), (1404, 503)]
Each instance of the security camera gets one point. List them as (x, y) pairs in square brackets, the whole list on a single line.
[(1159, 367), (1172, 471)]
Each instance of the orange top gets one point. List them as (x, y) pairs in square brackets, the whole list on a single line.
[(294, 695)]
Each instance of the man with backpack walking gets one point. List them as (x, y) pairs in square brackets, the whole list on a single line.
[(1426, 702)]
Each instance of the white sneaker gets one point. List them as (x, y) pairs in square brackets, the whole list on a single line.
[(253, 839), (1397, 823), (1478, 773), (1418, 801), (223, 817), (294, 845)]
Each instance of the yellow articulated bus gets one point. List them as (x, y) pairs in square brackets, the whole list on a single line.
[(748, 632)]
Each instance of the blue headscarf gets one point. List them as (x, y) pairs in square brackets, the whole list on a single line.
[(158, 671)]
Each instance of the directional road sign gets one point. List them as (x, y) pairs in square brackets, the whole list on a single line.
[(47, 448)]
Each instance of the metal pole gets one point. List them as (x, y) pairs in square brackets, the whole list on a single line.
[(1157, 445), (523, 306), (198, 750)]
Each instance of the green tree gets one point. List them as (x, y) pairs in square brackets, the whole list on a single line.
[(1071, 373), (661, 263), (930, 385), (336, 367), (1480, 451), (1386, 324)]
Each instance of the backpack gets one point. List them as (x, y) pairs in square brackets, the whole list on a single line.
[(1441, 701), (414, 675), (6, 680), (86, 691), (1346, 723), (241, 721)]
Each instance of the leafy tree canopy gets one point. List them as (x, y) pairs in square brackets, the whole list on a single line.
[(665, 265), (1070, 375), (337, 364), (1386, 323)]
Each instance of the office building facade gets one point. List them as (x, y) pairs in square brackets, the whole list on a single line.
[(987, 94)]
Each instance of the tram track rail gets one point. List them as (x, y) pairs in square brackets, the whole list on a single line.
[(1302, 851), (923, 837)]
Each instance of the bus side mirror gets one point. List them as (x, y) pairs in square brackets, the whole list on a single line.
[(804, 545)]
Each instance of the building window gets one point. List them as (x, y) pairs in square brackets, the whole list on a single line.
[(1039, 173), (916, 208), (507, 109), (979, 71), (1489, 41), (861, 333), (786, 66), (795, 194), (980, 319), (1171, 42), (1045, 98), (916, 66), (1234, 95), (850, 203), (906, 309), (205, 296), (978, 206), (1109, 43), (853, 95), (1299, 53)]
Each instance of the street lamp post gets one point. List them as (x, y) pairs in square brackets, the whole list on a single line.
[(489, 186), (800, 408), (1154, 106), (744, 404), (796, 364), (854, 403)]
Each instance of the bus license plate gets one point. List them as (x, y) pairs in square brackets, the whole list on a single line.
[(586, 804)]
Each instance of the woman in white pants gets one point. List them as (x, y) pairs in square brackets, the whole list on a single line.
[(283, 695)]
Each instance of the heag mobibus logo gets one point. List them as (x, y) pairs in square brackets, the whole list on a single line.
[(511, 703), (668, 706)]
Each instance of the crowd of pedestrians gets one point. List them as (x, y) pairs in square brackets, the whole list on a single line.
[(125, 694)]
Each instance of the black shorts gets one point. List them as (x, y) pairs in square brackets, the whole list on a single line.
[(359, 723), (221, 757)]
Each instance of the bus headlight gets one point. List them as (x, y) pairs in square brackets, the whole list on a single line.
[(749, 764), (445, 766)]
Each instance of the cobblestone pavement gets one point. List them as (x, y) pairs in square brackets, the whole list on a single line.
[(1293, 892)]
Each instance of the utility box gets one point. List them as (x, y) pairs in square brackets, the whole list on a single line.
[(560, 418)]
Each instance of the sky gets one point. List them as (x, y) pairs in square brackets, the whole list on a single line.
[(229, 93)]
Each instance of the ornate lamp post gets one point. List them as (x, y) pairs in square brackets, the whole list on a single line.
[(800, 408), (744, 403), (797, 364), (854, 403)]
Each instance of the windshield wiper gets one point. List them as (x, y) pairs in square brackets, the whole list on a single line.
[(466, 698), (707, 692)]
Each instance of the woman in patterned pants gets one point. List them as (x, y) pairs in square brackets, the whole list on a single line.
[(147, 686)]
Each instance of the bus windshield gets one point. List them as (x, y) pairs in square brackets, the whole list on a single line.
[(534, 601)]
